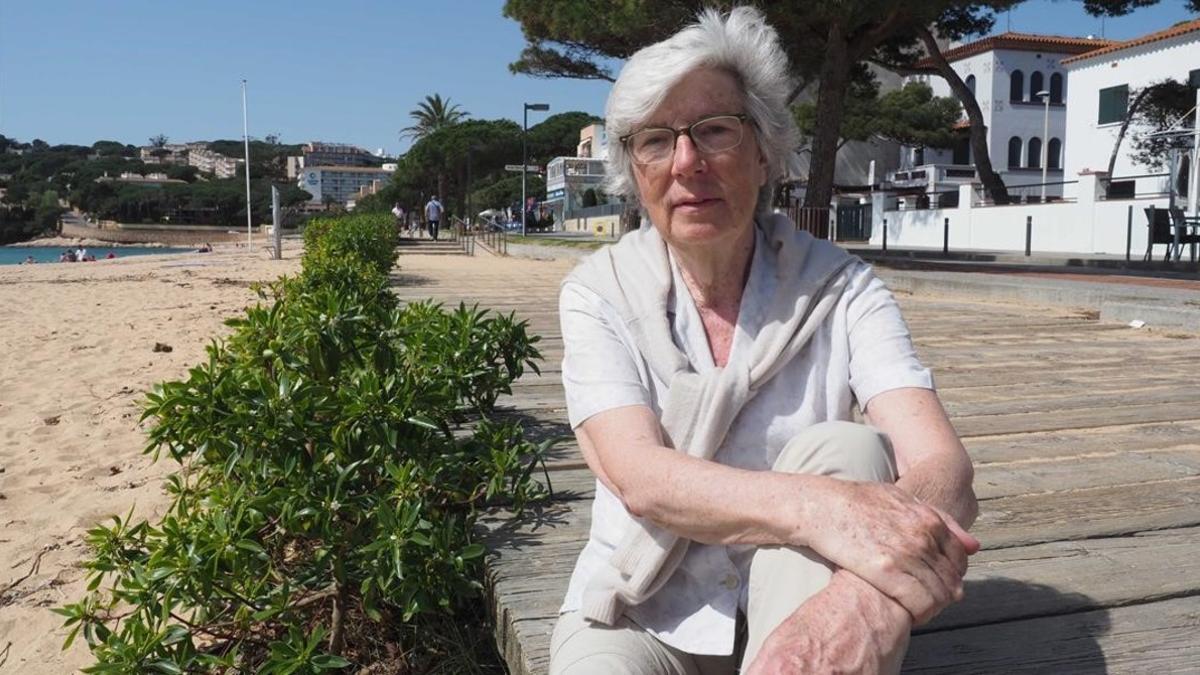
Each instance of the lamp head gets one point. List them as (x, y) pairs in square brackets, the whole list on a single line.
[(537, 106)]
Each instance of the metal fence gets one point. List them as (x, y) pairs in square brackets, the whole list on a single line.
[(613, 209), (811, 219)]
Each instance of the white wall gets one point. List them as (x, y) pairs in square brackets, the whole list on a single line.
[(1091, 143), (1085, 227)]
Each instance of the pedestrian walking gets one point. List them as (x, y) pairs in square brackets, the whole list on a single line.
[(433, 216)]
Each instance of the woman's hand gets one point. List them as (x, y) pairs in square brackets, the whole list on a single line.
[(912, 552), (849, 627)]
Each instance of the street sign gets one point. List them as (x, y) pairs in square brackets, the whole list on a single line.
[(529, 168)]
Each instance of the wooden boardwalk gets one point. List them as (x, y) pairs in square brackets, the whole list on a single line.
[(1086, 443)]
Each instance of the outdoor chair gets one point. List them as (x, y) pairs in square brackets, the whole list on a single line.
[(1162, 231), (1181, 224)]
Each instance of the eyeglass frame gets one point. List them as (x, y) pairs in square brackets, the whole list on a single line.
[(742, 118)]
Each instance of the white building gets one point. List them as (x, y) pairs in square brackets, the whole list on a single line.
[(1005, 72), (1103, 83), (213, 162), (339, 183)]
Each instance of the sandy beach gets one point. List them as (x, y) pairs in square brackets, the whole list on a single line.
[(79, 349)]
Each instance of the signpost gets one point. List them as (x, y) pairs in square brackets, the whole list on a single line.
[(528, 167)]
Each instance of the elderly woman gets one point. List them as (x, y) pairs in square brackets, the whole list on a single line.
[(712, 363)]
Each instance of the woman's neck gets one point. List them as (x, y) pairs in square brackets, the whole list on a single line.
[(716, 277)]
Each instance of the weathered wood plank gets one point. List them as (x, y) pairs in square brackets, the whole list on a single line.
[(1158, 637)]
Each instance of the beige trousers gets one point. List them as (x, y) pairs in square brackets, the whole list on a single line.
[(781, 578)]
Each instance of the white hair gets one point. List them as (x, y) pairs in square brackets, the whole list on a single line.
[(740, 43)]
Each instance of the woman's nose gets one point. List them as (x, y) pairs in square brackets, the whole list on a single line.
[(687, 158)]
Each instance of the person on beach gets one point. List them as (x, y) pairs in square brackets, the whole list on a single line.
[(712, 362), (28, 260), (433, 216)]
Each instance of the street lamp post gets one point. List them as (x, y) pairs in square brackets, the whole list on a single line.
[(525, 153), (1045, 139)]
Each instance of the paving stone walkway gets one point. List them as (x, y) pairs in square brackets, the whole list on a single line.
[(1086, 442)]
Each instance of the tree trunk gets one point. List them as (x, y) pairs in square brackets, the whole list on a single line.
[(831, 104), (1133, 108), (992, 183)]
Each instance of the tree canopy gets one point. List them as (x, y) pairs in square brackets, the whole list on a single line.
[(911, 115)]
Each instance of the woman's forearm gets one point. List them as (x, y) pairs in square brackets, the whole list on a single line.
[(694, 498)]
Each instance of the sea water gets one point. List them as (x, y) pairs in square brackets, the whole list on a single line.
[(13, 255)]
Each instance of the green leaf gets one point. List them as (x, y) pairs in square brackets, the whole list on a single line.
[(328, 662), (472, 551)]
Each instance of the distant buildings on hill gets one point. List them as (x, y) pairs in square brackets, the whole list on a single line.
[(191, 154)]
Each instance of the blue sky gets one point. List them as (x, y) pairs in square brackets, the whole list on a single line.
[(336, 70)]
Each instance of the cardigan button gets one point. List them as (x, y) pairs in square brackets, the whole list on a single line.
[(731, 581)]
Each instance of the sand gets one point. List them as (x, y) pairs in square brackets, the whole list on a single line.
[(76, 354)]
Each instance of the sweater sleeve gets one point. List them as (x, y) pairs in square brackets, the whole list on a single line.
[(600, 368)]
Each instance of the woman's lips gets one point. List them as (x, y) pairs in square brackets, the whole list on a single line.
[(696, 204)]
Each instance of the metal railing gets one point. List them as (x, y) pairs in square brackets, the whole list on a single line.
[(1125, 187), (613, 209), (493, 239), (1031, 193), (460, 232), (812, 219)]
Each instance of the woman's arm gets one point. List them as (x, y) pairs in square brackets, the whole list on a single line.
[(932, 463), (877, 531)]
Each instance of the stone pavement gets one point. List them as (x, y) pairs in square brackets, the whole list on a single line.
[(1085, 435)]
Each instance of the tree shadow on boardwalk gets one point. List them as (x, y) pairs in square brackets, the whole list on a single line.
[(1010, 626), (409, 280)]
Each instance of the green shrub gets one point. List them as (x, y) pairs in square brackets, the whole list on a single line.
[(370, 237), (326, 498)]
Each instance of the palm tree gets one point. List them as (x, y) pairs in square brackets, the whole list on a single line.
[(432, 114)]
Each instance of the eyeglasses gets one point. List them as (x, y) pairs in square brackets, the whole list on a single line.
[(710, 136)]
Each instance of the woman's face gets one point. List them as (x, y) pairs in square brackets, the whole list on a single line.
[(695, 198)]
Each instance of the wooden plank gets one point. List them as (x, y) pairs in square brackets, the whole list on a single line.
[(991, 425), (1156, 638), (1073, 442), (1072, 515)]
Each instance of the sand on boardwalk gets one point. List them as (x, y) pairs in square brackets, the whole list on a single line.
[(77, 344)]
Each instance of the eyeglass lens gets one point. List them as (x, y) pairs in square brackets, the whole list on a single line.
[(715, 134)]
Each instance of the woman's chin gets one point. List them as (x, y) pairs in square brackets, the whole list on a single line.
[(684, 231)]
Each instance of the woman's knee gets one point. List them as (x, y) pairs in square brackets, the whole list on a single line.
[(842, 450), (579, 647)]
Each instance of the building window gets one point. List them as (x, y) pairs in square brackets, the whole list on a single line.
[(1194, 78), (1054, 154), (1056, 88), (1034, 158), (1016, 86), (1035, 85), (1014, 152), (970, 82), (1114, 101)]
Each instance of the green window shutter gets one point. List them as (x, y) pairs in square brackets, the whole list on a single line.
[(1114, 101)]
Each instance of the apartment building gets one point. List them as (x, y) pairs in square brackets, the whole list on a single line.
[(339, 183)]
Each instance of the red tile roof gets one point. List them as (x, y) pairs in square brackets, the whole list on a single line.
[(1026, 42), (1173, 31)]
